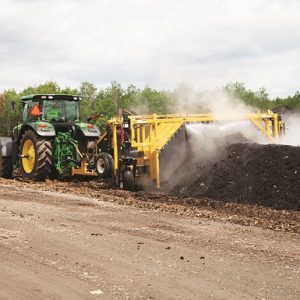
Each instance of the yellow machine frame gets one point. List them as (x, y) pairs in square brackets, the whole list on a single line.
[(83, 170), (150, 133)]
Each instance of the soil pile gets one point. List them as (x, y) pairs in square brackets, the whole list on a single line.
[(267, 175)]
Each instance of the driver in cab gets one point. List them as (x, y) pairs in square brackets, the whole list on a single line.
[(54, 111)]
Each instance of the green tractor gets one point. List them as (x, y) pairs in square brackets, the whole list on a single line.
[(52, 142)]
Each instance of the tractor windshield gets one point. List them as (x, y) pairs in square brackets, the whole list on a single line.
[(60, 110)]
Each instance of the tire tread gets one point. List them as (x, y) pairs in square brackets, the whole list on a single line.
[(44, 156)]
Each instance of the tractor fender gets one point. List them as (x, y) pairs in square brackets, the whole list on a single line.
[(6, 146), (40, 128), (88, 130)]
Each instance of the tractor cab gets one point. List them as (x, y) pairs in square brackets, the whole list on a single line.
[(49, 115), (55, 109)]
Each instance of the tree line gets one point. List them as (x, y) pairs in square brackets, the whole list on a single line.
[(107, 101)]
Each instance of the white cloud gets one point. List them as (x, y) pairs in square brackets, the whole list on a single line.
[(160, 43)]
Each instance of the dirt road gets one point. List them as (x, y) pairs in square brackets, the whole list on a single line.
[(54, 245)]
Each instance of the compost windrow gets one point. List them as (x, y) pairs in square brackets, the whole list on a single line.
[(267, 175)]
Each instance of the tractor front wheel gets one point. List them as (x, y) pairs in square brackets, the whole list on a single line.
[(36, 155), (104, 165), (127, 182)]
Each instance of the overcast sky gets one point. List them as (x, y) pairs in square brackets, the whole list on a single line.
[(160, 43)]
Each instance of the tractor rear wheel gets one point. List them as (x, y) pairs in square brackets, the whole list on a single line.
[(36, 156), (6, 167), (104, 165), (127, 182)]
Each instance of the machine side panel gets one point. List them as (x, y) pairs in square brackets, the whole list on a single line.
[(5, 146)]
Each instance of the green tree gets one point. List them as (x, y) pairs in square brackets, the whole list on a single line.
[(250, 98), (88, 92), (8, 116), (130, 97), (156, 101), (49, 87)]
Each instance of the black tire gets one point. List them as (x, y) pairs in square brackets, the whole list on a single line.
[(54, 174), (127, 182), (6, 167), (43, 156), (104, 165)]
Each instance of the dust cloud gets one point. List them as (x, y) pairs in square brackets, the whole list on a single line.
[(218, 102), (292, 132), (212, 137)]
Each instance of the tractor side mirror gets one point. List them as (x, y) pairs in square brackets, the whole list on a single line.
[(13, 105)]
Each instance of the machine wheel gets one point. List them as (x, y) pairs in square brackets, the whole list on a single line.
[(6, 167), (127, 182), (35, 156), (104, 165)]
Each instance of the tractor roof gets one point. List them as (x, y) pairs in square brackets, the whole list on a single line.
[(51, 97)]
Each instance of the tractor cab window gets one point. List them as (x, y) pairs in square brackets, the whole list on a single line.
[(72, 110), (30, 111), (60, 110)]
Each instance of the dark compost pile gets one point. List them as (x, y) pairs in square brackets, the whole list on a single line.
[(267, 175)]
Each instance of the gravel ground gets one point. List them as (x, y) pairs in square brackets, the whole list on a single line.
[(237, 213), (84, 240)]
